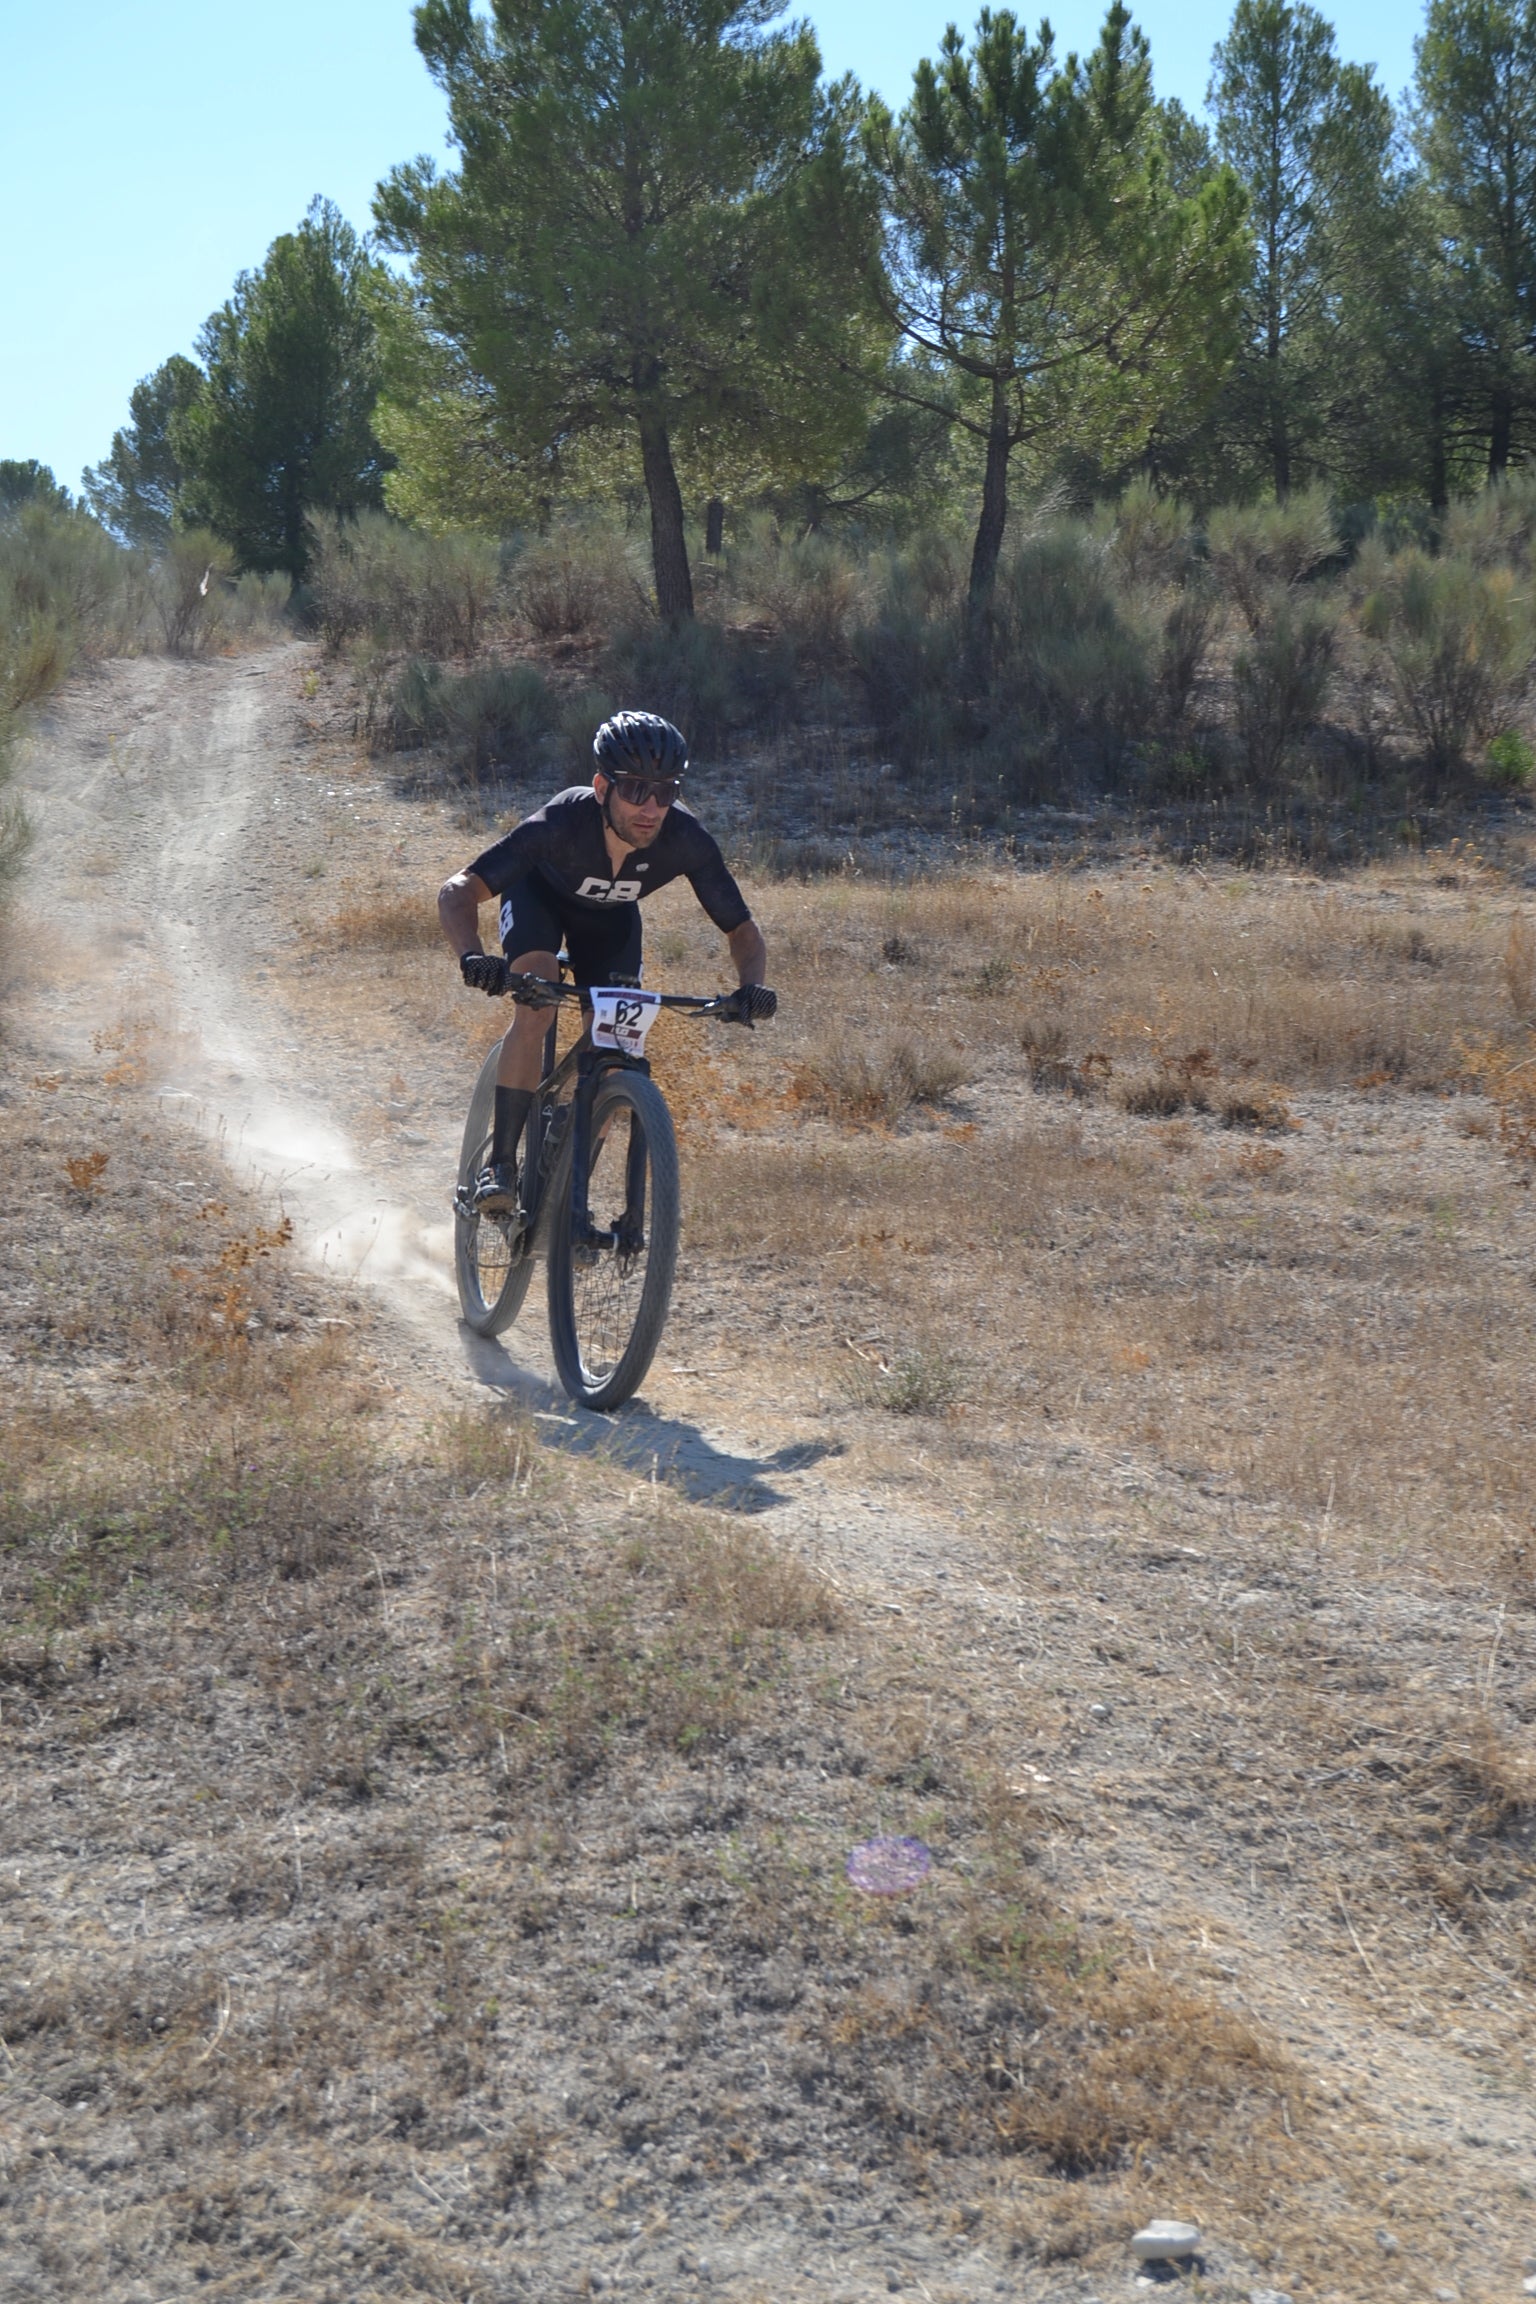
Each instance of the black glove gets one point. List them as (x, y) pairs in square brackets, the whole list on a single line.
[(750, 1004), (485, 971)]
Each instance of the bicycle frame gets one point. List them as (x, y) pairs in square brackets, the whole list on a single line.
[(589, 1065)]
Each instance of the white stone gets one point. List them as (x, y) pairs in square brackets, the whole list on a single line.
[(1165, 2237)]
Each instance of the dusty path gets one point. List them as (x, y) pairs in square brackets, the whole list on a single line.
[(178, 807)]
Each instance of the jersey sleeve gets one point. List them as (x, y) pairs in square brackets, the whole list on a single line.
[(511, 857), (711, 881), (550, 838)]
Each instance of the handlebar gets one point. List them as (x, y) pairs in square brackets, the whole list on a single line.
[(531, 991)]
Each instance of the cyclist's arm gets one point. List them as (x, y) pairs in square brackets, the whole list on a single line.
[(458, 908), (749, 952)]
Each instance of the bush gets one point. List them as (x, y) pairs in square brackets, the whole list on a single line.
[(1150, 536), (704, 678), (1496, 527), (256, 605), (1511, 761), (808, 589), (480, 717), (577, 583), (400, 586), (187, 586), (1259, 549), (1458, 640), (880, 1081), (1281, 678), (1065, 650)]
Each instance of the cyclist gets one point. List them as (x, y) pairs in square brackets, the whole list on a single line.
[(578, 868)]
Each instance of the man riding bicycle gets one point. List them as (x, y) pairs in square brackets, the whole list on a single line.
[(578, 869)]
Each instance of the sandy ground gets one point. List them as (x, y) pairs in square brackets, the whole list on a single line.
[(180, 807)]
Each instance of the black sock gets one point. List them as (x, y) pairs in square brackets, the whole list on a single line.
[(511, 1111)]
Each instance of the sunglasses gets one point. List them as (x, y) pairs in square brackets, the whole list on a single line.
[(635, 789)]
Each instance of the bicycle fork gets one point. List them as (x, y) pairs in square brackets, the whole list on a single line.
[(627, 1237)]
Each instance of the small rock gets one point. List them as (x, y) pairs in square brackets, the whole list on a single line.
[(1530, 2285), (1387, 2243), (1447, 2296), (1098, 1711), (1165, 2238), (1268, 2296)]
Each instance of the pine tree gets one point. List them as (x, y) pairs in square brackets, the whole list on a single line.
[(1311, 140), (282, 429), (641, 234), (1040, 256), (136, 488), (1476, 126)]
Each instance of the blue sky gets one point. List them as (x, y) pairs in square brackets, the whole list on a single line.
[(147, 155)]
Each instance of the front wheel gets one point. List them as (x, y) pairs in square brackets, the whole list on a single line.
[(492, 1259), (608, 1294)]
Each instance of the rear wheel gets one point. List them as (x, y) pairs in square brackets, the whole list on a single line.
[(608, 1295), (492, 1257)]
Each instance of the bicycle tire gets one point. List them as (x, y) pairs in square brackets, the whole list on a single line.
[(492, 1266), (607, 1310)]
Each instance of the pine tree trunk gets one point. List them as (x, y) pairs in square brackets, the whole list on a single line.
[(988, 547), (714, 527), (669, 542), (1501, 432)]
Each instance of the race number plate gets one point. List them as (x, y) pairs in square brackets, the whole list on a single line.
[(621, 1019)]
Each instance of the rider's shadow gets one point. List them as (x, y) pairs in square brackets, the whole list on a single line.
[(642, 1441)]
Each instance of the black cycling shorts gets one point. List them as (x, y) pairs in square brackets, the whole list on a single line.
[(603, 947)]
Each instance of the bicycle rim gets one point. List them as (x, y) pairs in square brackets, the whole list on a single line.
[(608, 1304)]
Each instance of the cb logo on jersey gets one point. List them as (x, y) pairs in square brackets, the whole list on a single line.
[(609, 891)]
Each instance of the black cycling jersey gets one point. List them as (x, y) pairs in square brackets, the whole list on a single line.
[(562, 844)]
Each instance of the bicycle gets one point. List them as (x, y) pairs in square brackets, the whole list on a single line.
[(599, 1193)]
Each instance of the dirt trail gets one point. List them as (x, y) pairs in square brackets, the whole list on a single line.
[(177, 805), (167, 807)]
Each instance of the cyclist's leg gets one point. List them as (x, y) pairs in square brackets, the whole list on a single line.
[(530, 935), (531, 929)]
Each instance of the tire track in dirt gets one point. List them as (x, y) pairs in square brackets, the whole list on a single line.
[(168, 831), (160, 808)]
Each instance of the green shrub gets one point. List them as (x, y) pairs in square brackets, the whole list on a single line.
[(1150, 535), (1497, 526), (577, 583), (1066, 653), (1459, 643), (702, 677), (1259, 549), (1280, 679), (1188, 625), (256, 605), (495, 713), (808, 589), (60, 571), (1511, 760), (401, 587), (189, 579)]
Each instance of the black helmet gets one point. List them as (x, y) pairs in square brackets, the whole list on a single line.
[(639, 744)]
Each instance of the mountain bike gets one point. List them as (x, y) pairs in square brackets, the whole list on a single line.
[(598, 1192)]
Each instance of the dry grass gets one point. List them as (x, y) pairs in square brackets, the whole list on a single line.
[(878, 1081), (341, 1657)]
